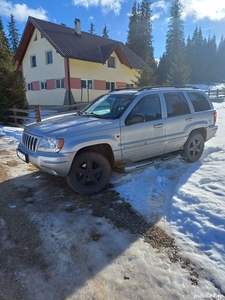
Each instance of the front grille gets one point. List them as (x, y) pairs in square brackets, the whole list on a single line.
[(29, 141)]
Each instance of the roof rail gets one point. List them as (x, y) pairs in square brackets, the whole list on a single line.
[(167, 86), (125, 88)]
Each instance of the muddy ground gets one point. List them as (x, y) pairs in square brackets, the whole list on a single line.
[(55, 244)]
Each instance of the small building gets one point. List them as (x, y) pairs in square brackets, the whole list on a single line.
[(63, 65)]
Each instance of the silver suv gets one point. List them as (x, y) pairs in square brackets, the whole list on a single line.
[(120, 128)]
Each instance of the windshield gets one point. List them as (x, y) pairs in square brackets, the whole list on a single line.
[(108, 106)]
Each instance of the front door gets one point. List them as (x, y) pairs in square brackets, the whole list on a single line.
[(147, 138)]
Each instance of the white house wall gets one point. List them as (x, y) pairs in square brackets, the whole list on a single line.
[(79, 70), (43, 71)]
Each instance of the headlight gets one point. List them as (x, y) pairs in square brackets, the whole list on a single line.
[(50, 145)]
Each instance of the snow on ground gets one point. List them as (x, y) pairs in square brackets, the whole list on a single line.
[(186, 200), (194, 208)]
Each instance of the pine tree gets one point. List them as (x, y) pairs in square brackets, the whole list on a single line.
[(161, 72), (92, 28), (133, 32), (210, 58), (12, 85), (3, 39), (193, 47), (177, 69), (105, 32), (139, 38), (145, 77), (220, 59), (14, 36)]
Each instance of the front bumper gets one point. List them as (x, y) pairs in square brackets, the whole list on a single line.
[(52, 163)]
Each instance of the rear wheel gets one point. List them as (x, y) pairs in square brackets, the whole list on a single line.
[(90, 173), (194, 147)]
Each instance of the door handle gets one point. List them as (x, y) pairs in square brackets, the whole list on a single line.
[(158, 125), (189, 119)]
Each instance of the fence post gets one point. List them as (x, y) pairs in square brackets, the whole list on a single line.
[(37, 113), (14, 113), (217, 93)]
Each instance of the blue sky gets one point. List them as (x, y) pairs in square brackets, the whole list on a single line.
[(207, 14)]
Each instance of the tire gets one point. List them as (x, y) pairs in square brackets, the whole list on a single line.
[(194, 147), (90, 173)]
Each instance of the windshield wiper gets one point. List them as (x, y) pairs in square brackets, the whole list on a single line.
[(91, 114)]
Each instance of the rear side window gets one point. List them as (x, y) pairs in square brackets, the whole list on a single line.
[(176, 104), (199, 101)]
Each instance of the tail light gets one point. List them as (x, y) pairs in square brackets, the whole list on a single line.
[(215, 117)]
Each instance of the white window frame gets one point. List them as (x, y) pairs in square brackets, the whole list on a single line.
[(32, 61), (88, 84), (112, 85), (59, 83), (29, 86), (43, 85), (47, 58)]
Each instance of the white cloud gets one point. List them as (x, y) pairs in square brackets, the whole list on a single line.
[(160, 5), (106, 5), (21, 11), (159, 8), (201, 9)]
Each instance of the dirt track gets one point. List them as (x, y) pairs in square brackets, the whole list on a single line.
[(56, 245)]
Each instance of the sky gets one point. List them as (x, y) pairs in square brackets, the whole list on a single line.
[(207, 14), (187, 201)]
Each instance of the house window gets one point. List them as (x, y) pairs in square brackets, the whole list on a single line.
[(48, 57), (111, 62), (129, 85), (110, 85), (43, 85), (29, 86), (35, 37), (86, 84), (33, 61), (59, 83)]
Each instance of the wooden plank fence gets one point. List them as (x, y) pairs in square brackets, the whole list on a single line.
[(212, 94), (37, 113)]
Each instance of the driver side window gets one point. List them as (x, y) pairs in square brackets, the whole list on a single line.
[(149, 107)]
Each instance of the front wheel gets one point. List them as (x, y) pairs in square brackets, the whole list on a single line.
[(90, 173), (194, 147)]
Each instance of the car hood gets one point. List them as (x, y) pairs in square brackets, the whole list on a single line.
[(66, 125)]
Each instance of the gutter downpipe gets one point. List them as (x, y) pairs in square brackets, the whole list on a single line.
[(68, 78)]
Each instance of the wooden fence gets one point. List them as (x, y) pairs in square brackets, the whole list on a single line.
[(37, 113), (216, 94)]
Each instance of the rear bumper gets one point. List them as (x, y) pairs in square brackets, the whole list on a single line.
[(211, 131), (52, 163)]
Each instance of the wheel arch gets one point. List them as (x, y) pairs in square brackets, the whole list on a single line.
[(202, 131), (103, 149)]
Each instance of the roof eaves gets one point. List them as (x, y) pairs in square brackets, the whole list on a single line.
[(109, 52), (47, 37)]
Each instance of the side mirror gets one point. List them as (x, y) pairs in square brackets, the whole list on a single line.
[(135, 119)]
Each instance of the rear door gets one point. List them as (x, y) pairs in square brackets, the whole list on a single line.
[(145, 139), (179, 120)]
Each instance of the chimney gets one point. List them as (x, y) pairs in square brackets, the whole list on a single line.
[(77, 26)]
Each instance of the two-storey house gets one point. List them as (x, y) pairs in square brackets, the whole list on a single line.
[(64, 65)]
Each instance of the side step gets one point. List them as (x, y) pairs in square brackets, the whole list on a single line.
[(131, 167)]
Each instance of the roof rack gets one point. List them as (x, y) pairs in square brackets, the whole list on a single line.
[(125, 88), (167, 86)]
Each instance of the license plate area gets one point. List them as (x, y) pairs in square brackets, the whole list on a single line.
[(22, 156)]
